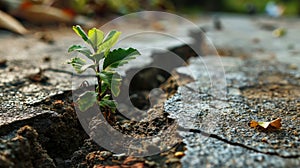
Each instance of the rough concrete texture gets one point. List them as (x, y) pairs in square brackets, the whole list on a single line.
[(262, 84), (24, 151), (22, 86), (36, 67), (260, 81), (34, 78)]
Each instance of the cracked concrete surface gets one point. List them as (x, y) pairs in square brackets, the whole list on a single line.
[(262, 83)]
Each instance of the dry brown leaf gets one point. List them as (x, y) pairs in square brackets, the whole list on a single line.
[(253, 123), (275, 124), (10, 23), (44, 14)]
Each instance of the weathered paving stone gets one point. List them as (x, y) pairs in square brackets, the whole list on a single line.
[(209, 152), (259, 86), (19, 93), (252, 94)]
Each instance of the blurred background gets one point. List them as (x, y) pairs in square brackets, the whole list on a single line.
[(93, 7), (15, 13)]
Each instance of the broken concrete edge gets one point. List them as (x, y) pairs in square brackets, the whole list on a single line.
[(9, 128)]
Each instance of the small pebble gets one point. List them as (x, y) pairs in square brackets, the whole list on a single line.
[(47, 59), (105, 154), (259, 158), (295, 133), (121, 156), (179, 154), (3, 63), (264, 139)]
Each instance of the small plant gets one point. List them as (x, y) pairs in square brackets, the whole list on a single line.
[(104, 62)]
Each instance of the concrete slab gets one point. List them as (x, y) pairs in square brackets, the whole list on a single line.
[(262, 84)]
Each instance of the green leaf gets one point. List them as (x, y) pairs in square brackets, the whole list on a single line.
[(87, 100), (77, 64), (115, 85), (98, 56), (96, 36), (106, 102), (80, 32), (112, 80), (86, 66), (83, 50), (106, 77), (104, 88), (109, 41), (119, 57)]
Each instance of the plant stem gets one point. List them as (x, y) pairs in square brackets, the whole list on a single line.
[(99, 82)]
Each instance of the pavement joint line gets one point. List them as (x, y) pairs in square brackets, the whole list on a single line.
[(233, 143), (67, 72)]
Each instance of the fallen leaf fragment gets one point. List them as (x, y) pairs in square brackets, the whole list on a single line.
[(264, 124), (279, 32), (44, 14), (253, 124), (179, 154), (10, 23), (274, 124)]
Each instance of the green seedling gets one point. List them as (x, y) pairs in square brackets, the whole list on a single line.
[(104, 62)]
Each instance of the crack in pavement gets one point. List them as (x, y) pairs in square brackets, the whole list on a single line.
[(233, 143), (67, 72)]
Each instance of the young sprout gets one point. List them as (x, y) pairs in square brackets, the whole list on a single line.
[(107, 77)]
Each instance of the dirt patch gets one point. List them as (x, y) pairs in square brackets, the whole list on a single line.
[(273, 91), (156, 123)]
